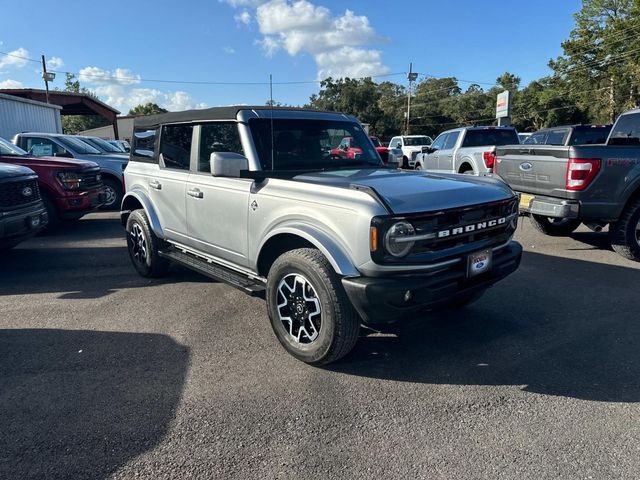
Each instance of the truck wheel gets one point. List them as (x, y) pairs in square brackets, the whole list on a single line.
[(418, 167), (54, 220), (625, 233), (555, 227), (113, 189), (309, 309), (143, 246), (405, 162)]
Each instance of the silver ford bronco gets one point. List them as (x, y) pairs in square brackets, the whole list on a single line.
[(258, 197)]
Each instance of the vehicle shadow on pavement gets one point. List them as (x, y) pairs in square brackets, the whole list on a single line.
[(80, 404), (599, 241), (557, 327)]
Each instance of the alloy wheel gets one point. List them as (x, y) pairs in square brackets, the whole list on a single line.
[(110, 195), (138, 244), (299, 308)]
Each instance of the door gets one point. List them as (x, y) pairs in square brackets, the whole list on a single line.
[(431, 159), (167, 185), (217, 207), (445, 157)]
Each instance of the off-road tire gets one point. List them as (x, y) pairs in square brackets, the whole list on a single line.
[(554, 227), (116, 188), (623, 234), (152, 265), (340, 323)]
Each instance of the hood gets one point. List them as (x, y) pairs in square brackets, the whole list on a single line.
[(49, 162), (382, 149), (413, 191), (415, 148), (10, 171), (116, 157)]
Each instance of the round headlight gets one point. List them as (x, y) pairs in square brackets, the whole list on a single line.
[(396, 240)]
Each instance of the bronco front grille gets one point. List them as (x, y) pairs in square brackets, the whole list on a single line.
[(18, 193)]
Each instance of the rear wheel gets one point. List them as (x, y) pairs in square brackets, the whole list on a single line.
[(143, 246), (309, 309), (625, 233), (555, 227), (113, 191)]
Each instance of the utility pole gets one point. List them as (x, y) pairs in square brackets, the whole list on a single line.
[(47, 77), (412, 76)]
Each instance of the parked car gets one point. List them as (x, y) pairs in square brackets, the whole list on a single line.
[(22, 213), (257, 201), (523, 136), (382, 150), (349, 148), (411, 146), (122, 144), (103, 146), (570, 135), (562, 186), (69, 188), (68, 146), (469, 150)]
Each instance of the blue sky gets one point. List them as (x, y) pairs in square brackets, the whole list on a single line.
[(120, 49)]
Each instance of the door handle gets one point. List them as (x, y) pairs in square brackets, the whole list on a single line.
[(195, 193), (155, 185)]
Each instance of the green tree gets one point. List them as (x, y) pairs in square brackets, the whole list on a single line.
[(147, 109), (73, 124)]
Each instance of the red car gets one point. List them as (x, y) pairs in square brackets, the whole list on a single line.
[(348, 149), (69, 188)]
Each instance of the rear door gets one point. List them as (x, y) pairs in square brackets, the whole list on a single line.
[(538, 169)]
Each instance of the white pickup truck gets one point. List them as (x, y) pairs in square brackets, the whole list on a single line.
[(469, 150), (407, 147)]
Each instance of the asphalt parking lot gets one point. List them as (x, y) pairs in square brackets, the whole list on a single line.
[(104, 374)]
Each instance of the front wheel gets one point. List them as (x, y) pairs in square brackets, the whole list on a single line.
[(555, 227), (113, 191), (418, 166), (309, 309), (143, 246), (625, 233)]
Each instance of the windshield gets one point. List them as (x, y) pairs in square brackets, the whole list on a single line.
[(119, 146), (78, 146), (101, 145), (417, 141), (490, 136), (311, 144), (376, 142), (8, 148)]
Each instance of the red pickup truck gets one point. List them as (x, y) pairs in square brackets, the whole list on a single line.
[(69, 188), (348, 149)]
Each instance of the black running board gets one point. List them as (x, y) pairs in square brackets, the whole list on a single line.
[(252, 287)]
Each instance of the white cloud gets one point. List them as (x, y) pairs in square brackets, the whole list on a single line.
[(8, 83), (54, 63), (124, 98), (229, 50), (15, 59), (338, 44), (243, 18), (244, 3), (100, 76)]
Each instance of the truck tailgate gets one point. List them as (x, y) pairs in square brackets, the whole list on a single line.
[(537, 169)]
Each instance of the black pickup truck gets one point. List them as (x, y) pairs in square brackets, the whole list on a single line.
[(561, 187)]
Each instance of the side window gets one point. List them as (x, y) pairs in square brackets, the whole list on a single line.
[(43, 147), (217, 137), (536, 139), (556, 137), (144, 143), (394, 143), (175, 146), (438, 143), (451, 140)]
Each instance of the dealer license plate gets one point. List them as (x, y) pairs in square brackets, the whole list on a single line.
[(34, 222), (525, 201), (479, 262)]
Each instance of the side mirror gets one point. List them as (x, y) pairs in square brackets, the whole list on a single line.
[(228, 164), (428, 150), (398, 145)]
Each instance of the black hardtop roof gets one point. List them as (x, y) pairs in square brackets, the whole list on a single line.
[(205, 114)]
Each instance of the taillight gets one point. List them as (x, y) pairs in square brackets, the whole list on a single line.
[(489, 159), (580, 172)]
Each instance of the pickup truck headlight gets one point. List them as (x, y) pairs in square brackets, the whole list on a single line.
[(397, 240), (69, 180)]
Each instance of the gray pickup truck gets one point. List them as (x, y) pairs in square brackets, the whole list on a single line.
[(563, 186), (258, 198), (569, 135), (468, 150)]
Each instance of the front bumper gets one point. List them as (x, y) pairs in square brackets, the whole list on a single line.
[(76, 204), (382, 300), (22, 223)]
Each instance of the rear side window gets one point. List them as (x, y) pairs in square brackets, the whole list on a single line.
[(175, 146), (490, 136), (556, 137), (626, 130), (590, 135), (217, 137), (451, 140), (537, 138), (144, 145)]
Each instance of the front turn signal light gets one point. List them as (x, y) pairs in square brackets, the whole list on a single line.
[(373, 239)]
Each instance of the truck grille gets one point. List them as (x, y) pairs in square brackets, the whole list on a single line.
[(90, 179), (22, 192)]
